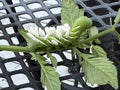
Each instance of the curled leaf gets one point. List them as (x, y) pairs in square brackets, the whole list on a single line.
[(98, 51), (53, 59)]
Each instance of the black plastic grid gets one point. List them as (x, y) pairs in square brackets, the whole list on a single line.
[(102, 13)]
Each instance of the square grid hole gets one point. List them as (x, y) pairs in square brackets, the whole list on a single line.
[(1, 4), (34, 5), (6, 54), (50, 2), (15, 1), (3, 42), (15, 40), (10, 30), (19, 79), (27, 88), (5, 21), (3, 83), (13, 66), (3, 12), (24, 17), (0, 69), (39, 14), (19, 9), (56, 10)]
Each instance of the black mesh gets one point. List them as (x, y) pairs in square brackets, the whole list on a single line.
[(102, 12)]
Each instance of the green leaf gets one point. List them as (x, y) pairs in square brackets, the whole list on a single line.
[(53, 59), (26, 37), (67, 15), (49, 77), (83, 55), (93, 31), (43, 59), (117, 19), (98, 51), (33, 45), (97, 41), (100, 70)]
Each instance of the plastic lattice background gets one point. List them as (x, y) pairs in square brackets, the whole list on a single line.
[(17, 71)]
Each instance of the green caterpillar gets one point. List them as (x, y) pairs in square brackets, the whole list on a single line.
[(80, 25)]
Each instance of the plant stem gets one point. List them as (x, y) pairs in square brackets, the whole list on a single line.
[(14, 48), (97, 36)]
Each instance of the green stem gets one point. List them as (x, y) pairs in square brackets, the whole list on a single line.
[(97, 36), (14, 48)]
